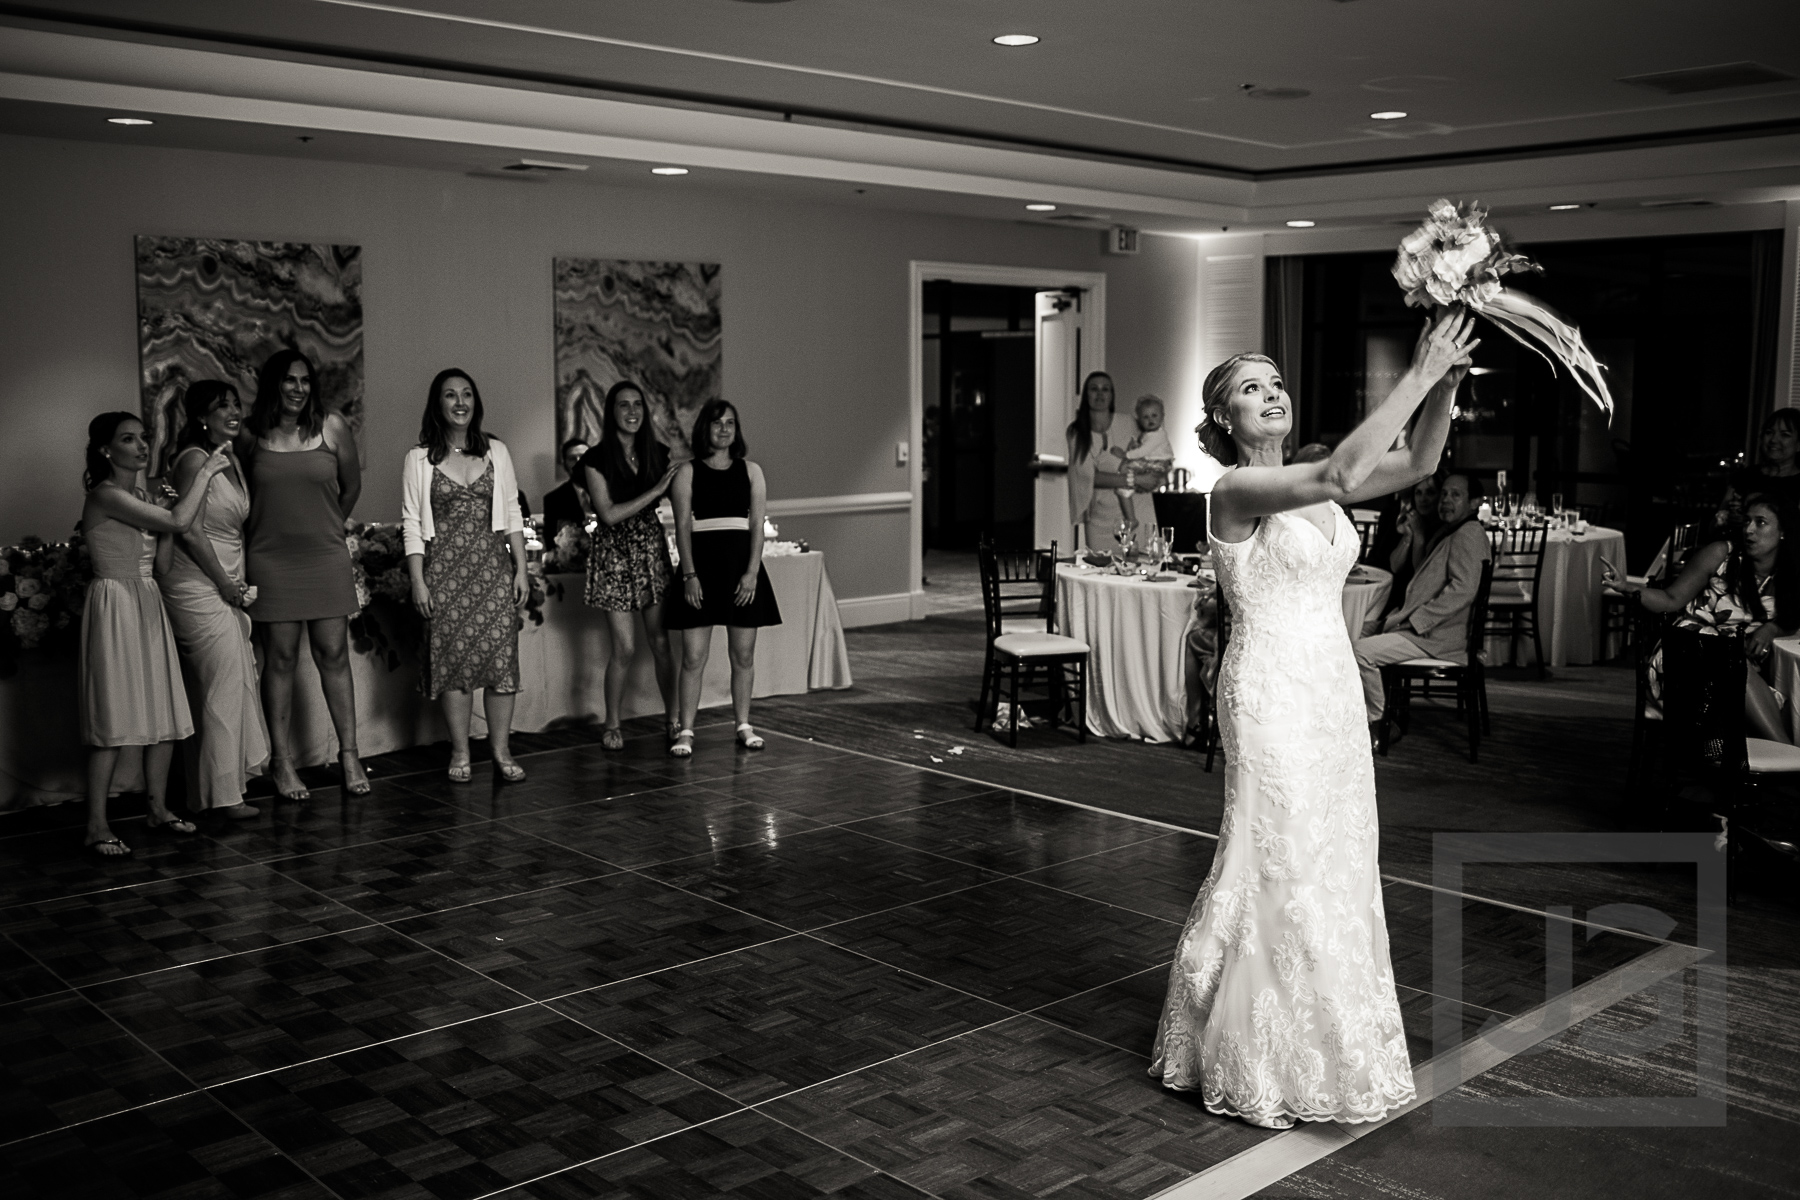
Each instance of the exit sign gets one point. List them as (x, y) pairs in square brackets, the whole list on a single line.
[(1120, 240)]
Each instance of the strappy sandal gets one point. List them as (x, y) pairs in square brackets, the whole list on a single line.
[(302, 794), (747, 738), (460, 772), (674, 731), (683, 746), (173, 825), (94, 848), (612, 739), (510, 771), (360, 787)]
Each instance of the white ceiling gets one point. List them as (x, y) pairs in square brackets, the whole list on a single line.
[(1135, 109)]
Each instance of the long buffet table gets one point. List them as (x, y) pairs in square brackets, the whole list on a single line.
[(561, 664)]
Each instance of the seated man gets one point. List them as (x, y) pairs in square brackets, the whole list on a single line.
[(567, 504), (1433, 620)]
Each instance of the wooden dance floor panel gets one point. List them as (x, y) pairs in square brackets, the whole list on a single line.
[(801, 973)]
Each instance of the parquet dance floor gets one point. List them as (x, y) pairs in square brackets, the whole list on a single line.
[(800, 973)]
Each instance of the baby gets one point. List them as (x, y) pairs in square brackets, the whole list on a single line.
[(1151, 450)]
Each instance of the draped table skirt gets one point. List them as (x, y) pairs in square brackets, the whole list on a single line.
[(1569, 612)]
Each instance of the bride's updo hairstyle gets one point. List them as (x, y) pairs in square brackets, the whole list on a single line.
[(1215, 395)]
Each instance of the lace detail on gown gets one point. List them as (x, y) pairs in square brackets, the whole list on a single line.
[(1281, 1002)]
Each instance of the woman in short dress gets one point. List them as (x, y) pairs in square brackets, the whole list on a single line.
[(130, 673), (205, 594), (304, 480), (720, 499), (465, 551), (626, 473)]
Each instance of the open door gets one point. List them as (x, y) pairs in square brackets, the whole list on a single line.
[(1059, 367)]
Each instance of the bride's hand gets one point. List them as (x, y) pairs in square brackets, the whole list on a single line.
[(1446, 344)]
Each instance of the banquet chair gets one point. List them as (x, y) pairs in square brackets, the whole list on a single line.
[(1646, 714), (1469, 679), (1705, 742), (1368, 524), (1512, 606), (1209, 707), (1020, 586)]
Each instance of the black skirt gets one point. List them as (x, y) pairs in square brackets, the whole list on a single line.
[(719, 558)]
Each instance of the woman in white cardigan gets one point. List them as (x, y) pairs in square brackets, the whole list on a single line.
[(461, 497)]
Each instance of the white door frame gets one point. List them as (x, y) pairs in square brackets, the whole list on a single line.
[(1047, 278)]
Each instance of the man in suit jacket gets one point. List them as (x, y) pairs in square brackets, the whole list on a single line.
[(1433, 621), (566, 504)]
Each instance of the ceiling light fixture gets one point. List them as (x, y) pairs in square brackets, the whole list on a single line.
[(1563, 207), (668, 170), (1040, 208), (1301, 224), (1389, 115), (129, 121), (1016, 39)]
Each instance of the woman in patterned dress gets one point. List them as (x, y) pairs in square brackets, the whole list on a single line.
[(627, 472), (465, 550), (1281, 1003)]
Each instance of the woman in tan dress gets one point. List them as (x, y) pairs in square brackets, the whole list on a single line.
[(205, 594), (130, 675)]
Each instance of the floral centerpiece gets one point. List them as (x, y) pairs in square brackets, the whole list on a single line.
[(43, 586), (1455, 257)]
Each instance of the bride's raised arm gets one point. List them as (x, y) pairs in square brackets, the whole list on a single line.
[(1362, 465)]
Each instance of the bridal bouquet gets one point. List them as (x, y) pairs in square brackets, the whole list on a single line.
[(1456, 258)]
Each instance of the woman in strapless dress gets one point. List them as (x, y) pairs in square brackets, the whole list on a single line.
[(304, 480), (130, 675), (205, 594)]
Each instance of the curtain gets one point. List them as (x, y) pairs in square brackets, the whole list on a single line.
[(1284, 328)]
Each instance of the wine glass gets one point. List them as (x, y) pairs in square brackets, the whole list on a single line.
[(1125, 533), (1500, 483)]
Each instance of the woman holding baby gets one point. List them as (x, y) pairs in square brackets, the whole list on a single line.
[(1115, 461)]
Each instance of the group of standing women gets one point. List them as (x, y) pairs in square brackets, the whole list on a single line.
[(247, 539)]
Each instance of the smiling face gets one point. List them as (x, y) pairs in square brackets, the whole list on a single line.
[(296, 388), (629, 412), (456, 398), (1426, 495), (128, 449), (224, 419), (721, 431), (1779, 443), (1257, 412), (1762, 531)]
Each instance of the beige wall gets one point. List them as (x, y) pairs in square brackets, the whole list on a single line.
[(457, 271)]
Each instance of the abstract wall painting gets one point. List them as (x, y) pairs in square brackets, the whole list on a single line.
[(654, 323), (216, 309)]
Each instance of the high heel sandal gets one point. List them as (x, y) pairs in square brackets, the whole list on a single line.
[(683, 746), (302, 794), (747, 738), (612, 739), (355, 788)]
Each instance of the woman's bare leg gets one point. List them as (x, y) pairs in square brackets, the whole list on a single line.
[(741, 639), (330, 638), (665, 663), (101, 760), (458, 705), (156, 779), (623, 627), (281, 654), (696, 645), (499, 708)]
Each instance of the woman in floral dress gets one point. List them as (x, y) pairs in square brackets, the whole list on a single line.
[(1744, 586), (627, 472), (465, 551)]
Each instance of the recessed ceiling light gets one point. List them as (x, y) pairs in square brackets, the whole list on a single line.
[(128, 121), (1301, 224), (1392, 114), (1563, 207), (1015, 39), (1040, 208), (668, 170)]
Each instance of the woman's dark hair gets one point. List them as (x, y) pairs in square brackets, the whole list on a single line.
[(1782, 418), (1740, 572), (1215, 396), (434, 432), (199, 400), (622, 483), (265, 414), (101, 431), (711, 411), (1081, 429)]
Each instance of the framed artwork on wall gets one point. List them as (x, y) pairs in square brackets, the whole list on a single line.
[(654, 323), (216, 309)]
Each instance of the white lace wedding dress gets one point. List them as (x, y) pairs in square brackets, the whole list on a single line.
[(1281, 1003)]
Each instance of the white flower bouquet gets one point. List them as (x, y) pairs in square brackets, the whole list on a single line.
[(1456, 257)]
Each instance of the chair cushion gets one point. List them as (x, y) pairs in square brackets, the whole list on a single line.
[(1021, 625), (1767, 758), (1430, 664), (1038, 645)]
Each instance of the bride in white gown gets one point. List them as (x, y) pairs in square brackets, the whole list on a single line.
[(1281, 1002)]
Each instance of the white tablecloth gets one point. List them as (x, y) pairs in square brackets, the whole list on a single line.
[(1569, 613), (1365, 595), (1137, 662), (1784, 677), (562, 665)]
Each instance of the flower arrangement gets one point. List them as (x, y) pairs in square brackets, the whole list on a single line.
[(1455, 257), (43, 586)]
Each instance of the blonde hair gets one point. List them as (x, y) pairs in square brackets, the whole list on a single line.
[(1215, 394)]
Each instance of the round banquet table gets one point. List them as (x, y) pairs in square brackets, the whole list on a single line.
[(1569, 612), (1784, 677), (1136, 631)]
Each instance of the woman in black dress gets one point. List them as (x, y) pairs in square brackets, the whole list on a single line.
[(719, 504)]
